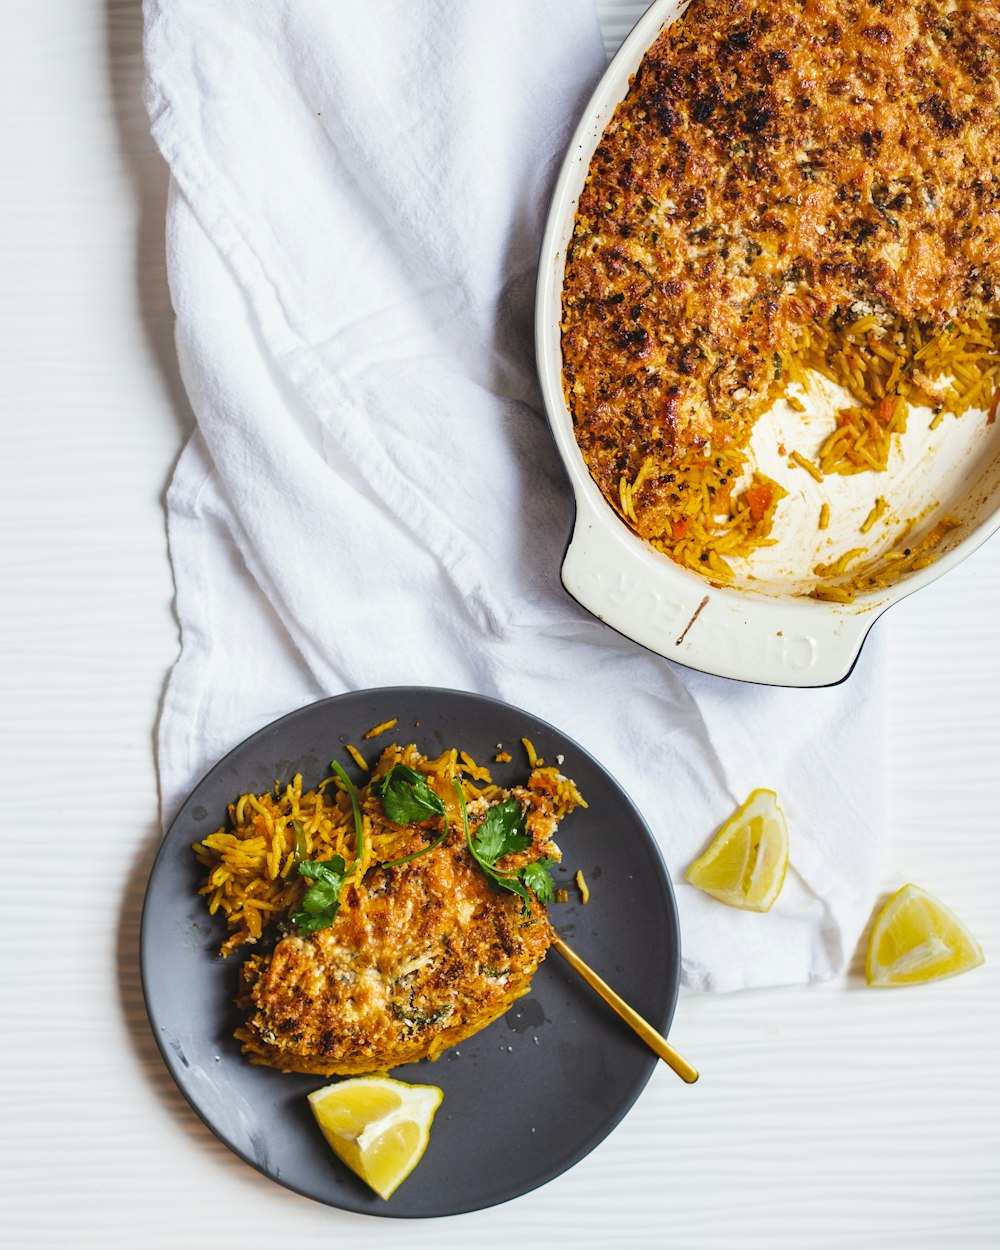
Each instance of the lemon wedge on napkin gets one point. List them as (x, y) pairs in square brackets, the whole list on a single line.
[(745, 865), (377, 1126), (917, 939)]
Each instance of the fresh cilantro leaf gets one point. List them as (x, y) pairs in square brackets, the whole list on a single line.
[(502, 832), (322, 900), (408, 799), (516, 886), (406, 796), (323, 869), (305, 924), (538, 879)]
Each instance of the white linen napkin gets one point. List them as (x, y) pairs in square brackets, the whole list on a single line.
[(373, 497)]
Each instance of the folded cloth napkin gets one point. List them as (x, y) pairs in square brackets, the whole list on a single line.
[(372, 496)]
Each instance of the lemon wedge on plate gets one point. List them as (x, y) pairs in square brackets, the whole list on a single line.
[(377, 1126), (917, 939), (745, 865)]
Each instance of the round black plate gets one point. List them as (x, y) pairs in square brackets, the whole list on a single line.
[(525, 1098)]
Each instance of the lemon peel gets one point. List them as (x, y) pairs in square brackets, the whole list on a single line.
[(377, 1126), (918, 939), (745, 865)]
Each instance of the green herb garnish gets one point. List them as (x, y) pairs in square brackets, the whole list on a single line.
[(538, 879), (301, 848), (322, 900), (408, 799), (502, 832), (359, 824), (420, 1019), (405, 859), (406, 796)]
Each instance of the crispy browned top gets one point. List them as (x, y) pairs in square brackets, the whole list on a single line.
[(775, 163), (419, 956)]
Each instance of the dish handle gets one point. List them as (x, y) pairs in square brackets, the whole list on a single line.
[(684, 617)]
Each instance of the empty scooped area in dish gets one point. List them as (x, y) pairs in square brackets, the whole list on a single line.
[(838, 536), (770, 208)]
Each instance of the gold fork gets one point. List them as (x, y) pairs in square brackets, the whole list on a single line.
[(655, 1041)]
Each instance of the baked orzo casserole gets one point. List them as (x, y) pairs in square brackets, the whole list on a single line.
[(789, 189)]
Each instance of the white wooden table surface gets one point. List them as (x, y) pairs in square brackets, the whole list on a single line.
[(829, 1116)]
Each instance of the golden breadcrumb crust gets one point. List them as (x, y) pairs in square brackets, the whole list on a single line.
[(775, 164), (419, 957)]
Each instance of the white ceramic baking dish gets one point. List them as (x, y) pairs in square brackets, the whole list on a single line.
[(764, 628)]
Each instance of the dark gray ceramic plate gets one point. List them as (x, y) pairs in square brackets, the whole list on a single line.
[(524, 1099)]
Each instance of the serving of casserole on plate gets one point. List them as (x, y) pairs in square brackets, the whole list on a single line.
[(524, 1098), (768, 324), (410, 911)]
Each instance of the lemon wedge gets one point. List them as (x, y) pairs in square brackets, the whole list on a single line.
[(377, 1126), (917, 939), (745, 865)]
